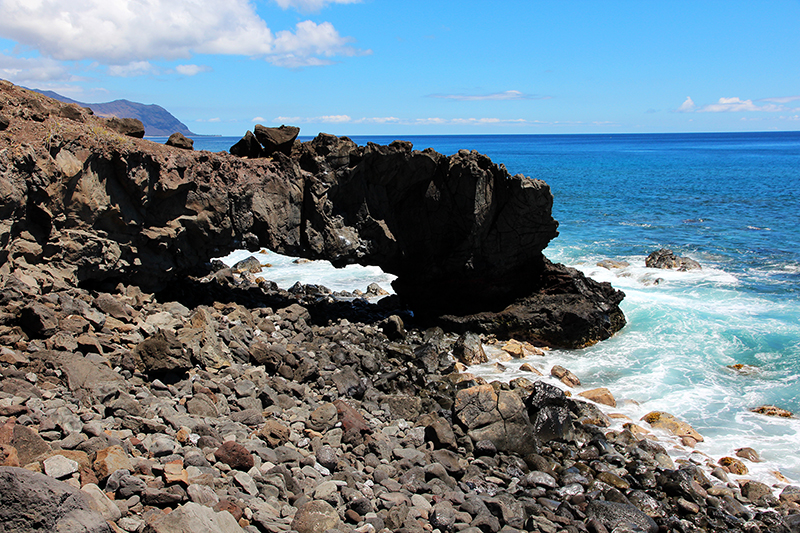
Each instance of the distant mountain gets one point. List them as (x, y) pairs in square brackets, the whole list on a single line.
[(157, 120)]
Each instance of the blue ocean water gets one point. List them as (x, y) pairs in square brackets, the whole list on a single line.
[(730, 201)]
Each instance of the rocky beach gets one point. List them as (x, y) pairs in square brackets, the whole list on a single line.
[(146, 388)]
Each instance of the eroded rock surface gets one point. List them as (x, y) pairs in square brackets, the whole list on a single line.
[(84, 204)]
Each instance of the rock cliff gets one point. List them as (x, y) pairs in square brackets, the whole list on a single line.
[(84, 202)]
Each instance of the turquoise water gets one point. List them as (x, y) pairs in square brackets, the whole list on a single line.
[(730, 201)]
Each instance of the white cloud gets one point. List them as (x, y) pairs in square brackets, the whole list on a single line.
[(37, 71), (729, 104), (123, 32), (687, 105), (134, 68), (311, 5), (258, 119), (781, 99), (734, 105), (507, 95), (310, 41), (335, 119), (192, 70)]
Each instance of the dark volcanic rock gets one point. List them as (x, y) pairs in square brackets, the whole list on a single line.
[(276, 139), (179, 140), (247, 146), (667, 259), (463, 236), (131, 127)]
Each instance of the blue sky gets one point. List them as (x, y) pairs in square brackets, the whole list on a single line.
[(353, 67)]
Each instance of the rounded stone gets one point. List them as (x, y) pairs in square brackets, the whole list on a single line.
[(315, 517)]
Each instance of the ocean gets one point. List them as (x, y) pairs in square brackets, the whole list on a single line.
[(731, 201)]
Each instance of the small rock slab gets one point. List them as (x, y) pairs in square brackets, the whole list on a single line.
[(670, 424)]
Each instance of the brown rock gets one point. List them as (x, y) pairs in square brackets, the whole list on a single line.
[(771, 410), (28, 444), (670, 424), (276, 139), (274, 433), (733, 465), (353, 424), (600, 395), (179, 140), (109, 460), (565, 376), (234, 455), (315, 517), (8, 455)]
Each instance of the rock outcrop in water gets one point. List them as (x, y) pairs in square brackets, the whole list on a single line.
[(90, 206)]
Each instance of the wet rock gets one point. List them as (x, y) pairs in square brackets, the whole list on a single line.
[(468, 349), (600, 395), (669, 423), (667, 259), (771, 410), (565, 376), (548, 410)]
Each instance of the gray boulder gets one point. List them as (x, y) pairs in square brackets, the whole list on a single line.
[(613, 515), (195, 518), (32, 503)]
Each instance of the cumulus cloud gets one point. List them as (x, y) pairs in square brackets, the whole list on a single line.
[(124, 32), (507, 95), (38, 71), (311, 5), (687, 105)]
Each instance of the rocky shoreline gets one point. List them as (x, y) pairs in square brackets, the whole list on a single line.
[(144, 390), (255, 411)]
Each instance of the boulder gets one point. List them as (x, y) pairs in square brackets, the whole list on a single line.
[(600, 395), (276, 139), (315, 517), (31, 503), (667, 259), (671, 424), (195, 518), (468, 349), (162, 354), (131, 127), (615, 515), (179, 140), (247, 146), (497, 416), (549, 411)]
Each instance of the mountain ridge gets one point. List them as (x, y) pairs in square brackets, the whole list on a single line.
[(157, 120)]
